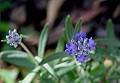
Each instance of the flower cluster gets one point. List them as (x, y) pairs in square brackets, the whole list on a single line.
[(14, 39), (80, 46)]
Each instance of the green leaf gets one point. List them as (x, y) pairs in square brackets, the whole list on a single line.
[(59, 48), (43, 40), (53, 57), (65, 34), (110, 29), (97, 69), (65, 70), (4, 27), (60, 45), (69, 28), (110, 34), (50, 70), (96, 56), (115, 75), (108, 42), (78, 26), (64, 64), (43, 79), (17, 58), (101, 50), (31, 75), (8, 76)]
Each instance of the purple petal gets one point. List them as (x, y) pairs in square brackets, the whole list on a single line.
[(92, 44), (86, 57), (80, 58), (83, 34)]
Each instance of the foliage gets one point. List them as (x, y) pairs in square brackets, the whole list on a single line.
[(102, 66)]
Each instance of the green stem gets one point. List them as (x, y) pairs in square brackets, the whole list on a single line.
[(30, 76), (3, 40), (78, 67), (23, 36), (29, 53)]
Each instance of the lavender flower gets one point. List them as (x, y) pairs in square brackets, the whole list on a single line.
[(14, 39), (80, 46)]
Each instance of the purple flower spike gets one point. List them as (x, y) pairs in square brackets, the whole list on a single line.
[(80, 46), (14, 39)]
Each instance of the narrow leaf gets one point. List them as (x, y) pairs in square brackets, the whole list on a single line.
[(59, 48), (110, 34), (60, 45), (108, 42), (101, 50), (110, 29), (17, 58), (65, 70), (53, 57), (96, 56), (69, 28), (31, 75), (50, 70), (78, 26), (64, 64), (65, 35), (43, 40)]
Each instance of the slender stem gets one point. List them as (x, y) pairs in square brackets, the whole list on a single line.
[(23, 36), (31, 75), (29, 53), (3, 40)]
